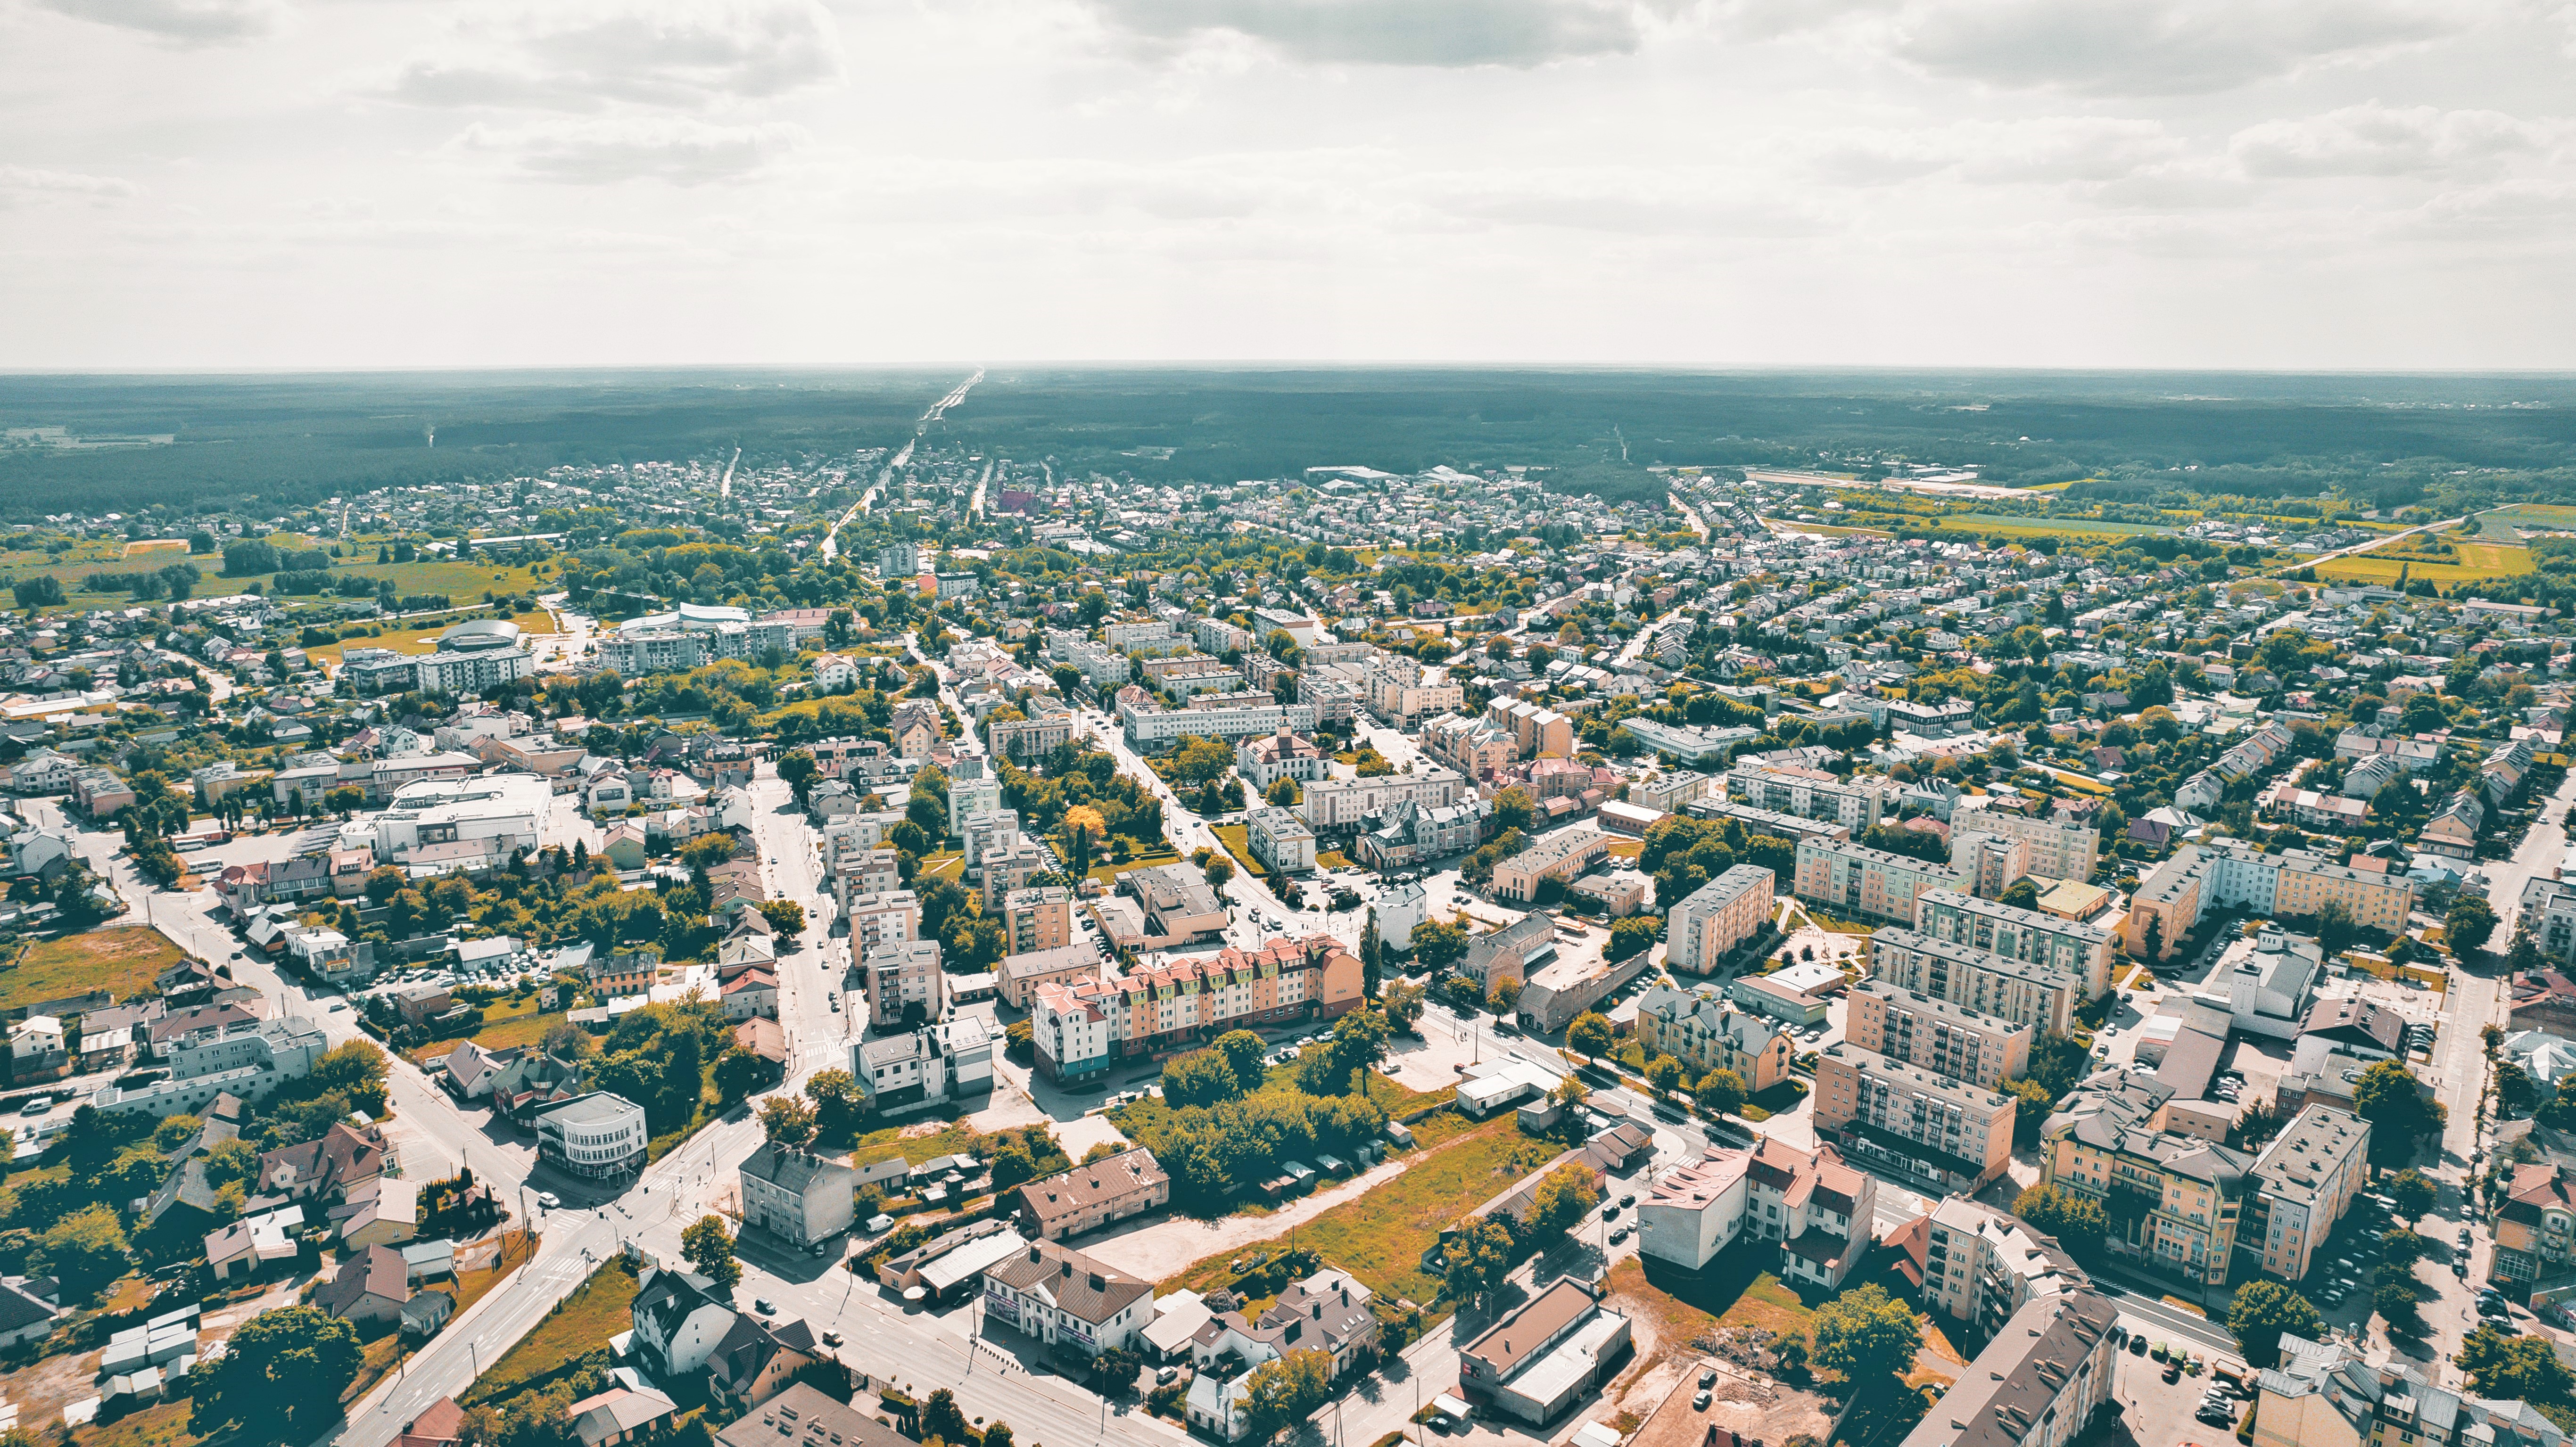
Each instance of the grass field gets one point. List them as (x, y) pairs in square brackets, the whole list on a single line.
[(2502, 524), (1108, 873), (119, 959), (507, 1025), (1237, 841), (1380, 1236), (885, 1145), (2022, 527), (599, 1309), (413, 637), (2478, 562)]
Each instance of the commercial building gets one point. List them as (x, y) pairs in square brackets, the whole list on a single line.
[(1559, 857), (1807, 793), (502, 813), (1535, 1362), (246, 1059), (2230, 874), (1704, 1032), (597, 1135), (2017, 991), (1280, 840), (1945, 1133), (905, 986), (1695, 1211), (2033, 936), (1094, 1194), (1857, 881), (1063, 1298), (952, 1060), (1945, 1038), (797, 1196), (1713, 919), (1177, 904)]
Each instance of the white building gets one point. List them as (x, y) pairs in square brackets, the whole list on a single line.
[(505, 811), (1695, 1211), (800, 1197), (1063, 1298), (1280, 840), (595, 1135)]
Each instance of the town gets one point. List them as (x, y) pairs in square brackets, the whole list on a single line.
[(908, 944)]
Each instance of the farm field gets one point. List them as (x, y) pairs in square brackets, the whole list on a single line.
[(117, 958), (2042, 527), (2504, 524), (2478, 561)]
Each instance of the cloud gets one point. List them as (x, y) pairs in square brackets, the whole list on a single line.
[(187, 22), (1518, 33), (2157, 47), (2045, 150), (21, 185), (675, 53), (2378, 140), (673, 149)]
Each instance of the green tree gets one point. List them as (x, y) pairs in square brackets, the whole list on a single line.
[(2335, 928), (1218, 870), (1012, 1165), (2022, 893), (1199, 1078), (2388, 1097), (1282, 793), (786, 916), (942, 1418), (1789, 1353), (279, 1379), (738, 1074), (787, 1121), (1359, 1041), (835, 1094), (1630, 937), (2032, 1102), (1514, 809), (1402, 1006), (2513, 1368), (2412, 1190), (1438, 944), (1475, 1261), (1721, 1092), (2265, 1311), (1565, 1197), (798, 768), (2468, 924), (1285, 1391), (85, 1250), (1867, 1335), (1590, 1034), (708, 1248), (357, 1070), (1242, 1052), (2076, 1221)]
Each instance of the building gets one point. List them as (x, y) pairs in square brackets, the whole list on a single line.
[(2454, 828), (1265, 761), (1815, 1205), (1178, 1002), (2053, 848), (900, 559), (797, 1196), (2017, 991), (1280, 840), (2328, 1396), (1402, 692), (1093, 1195), (802, 1416), (1697, 1028), (1807, 793), (1952, 1040), (1982, 1265), (504, 813), (1558, 857), (596, 1135), (904, 983), (2037, 1383), (1224, 716), (1333, 805), (2534, 1226), (1713, 919), (1178, 904), (2175, 1202), (1695, 1211), (1946, 1133), (1065, 1299), (2290, 886), (2304, 1183), (1025, 739), (1864, 883), (245, 1059), (1395, 912), (1543, 1356), (1020, 975), (948, 1061), (1069, 1021), (2548, 915), (2029, 935), (1327, 1312)]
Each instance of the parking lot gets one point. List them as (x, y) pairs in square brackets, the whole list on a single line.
[(2165, 1399)]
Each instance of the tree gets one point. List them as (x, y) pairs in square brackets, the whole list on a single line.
[(1282, 793), (1285, 1391), (86, 1249), (2388, 1097), (1243, 1053), (1590, 1034), (2022, 893), (2076, 1221), (786, 916), (798, 768), (1789, 1353), (708, 1247), (2412, 1190), (1564, 1198), (1402, 1006), (1012, 1165), (2524, 956), (2468, 923), (1867, 1335), (2262, 1313), (2513, 1368), (1663, 1073), (1514, 809), (738, 1073), (835, 1094), (279, 1379), (787, 1121), (1218, 870), (1200, 1078), (1630, 937), (1438, 944), (1464, 995), (2515, 1092), (1721, 1092), (2155, 940), (1475, 1261), (942, 1418), (356, 1070), (2032, 1102), (2335, 928), (1359, 1041)]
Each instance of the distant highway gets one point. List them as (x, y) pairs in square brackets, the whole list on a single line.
[(885, 475)]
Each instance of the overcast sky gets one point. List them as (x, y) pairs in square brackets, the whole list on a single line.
[(2167, 183)]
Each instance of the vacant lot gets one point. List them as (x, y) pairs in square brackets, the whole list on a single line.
[(119, 959), (600, 1309), (2042, 527), (507, 1025), (1237, 840)]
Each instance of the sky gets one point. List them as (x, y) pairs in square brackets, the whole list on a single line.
[(326, 184)]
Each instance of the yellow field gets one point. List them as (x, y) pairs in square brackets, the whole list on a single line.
[(423, 641), (2478, 562)]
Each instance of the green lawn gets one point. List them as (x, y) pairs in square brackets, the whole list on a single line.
[(1108, 873), (886, 1144), (507, 1025), (414, 637), (1237, 841), (119, 959), (598, 1310), (1380, 1236)]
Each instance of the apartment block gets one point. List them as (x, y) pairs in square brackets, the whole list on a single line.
[(1713, 919), (2029, 935), (2304, 1183), (1705, 1032), (1859, 882), (1982, 1265), (2176, 1202), (1945, 1133), (904, 983), (1346, 804), (2053, 848), (1559, 856), (1947, 1039), (890, 918), (2231, 874), (2037, 1384), (1400, 691), (2014, 990), (2328, 1395), (1039, 918), (1807, 793)]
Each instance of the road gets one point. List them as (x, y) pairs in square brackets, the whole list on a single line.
[(2363, 547), (724, 484)]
